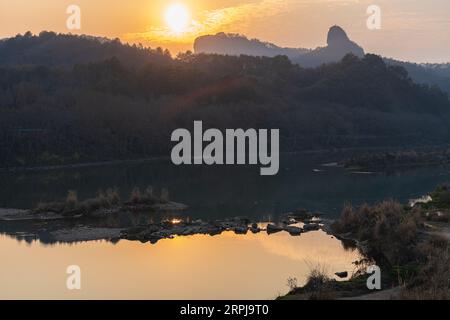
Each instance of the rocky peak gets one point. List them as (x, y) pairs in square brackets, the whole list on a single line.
[(337, 36)]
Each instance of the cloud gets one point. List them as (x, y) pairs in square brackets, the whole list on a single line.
[(213, 21), (225, 19)]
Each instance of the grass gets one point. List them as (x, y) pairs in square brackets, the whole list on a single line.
[(104, 200), (318, 285), (389, 228), (432, 280), (148, 197), (397, 238)]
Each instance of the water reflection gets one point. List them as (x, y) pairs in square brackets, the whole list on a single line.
[(227, 266), (218, 192)]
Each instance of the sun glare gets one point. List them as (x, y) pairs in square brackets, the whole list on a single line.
[(177, 17)]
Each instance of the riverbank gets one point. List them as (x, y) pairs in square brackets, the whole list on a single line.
[(361, 152), (377, 161), (410, 244)]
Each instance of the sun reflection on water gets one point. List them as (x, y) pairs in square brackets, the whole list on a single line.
[(252, 266)]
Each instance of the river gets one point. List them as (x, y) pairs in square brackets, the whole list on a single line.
[(226, 266)]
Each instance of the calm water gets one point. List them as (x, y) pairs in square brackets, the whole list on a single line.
[(218, 192), (195, 267), (227, 266)]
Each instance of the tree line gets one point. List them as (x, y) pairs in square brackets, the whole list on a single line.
[(108, 100)]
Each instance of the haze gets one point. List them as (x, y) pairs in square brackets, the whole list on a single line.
[(413, 30)]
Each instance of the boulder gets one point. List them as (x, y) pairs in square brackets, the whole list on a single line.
[(241, 230), (342, 275), (255, 228), (311, 227), (294, 231), (271, 228)]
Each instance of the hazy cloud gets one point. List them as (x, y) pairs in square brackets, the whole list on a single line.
[(213, 21)]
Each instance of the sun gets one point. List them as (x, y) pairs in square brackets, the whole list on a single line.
[(177, 17)]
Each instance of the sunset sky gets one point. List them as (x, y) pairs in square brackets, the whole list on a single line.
[(415, 30)]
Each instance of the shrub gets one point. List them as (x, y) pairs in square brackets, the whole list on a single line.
[(292, 283), (135, 196), (164, 195), (389, 228), (71, 200), (433, 278), (319, 285), (113, 196)]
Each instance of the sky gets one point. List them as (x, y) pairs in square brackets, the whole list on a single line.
[(412, 30)]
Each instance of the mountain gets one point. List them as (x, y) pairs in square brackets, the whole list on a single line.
[(338, 45), (234, 44), (442, 69), (429, 74), (106, 110), (66, 50)]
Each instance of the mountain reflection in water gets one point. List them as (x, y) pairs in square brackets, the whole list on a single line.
[(226, 266)]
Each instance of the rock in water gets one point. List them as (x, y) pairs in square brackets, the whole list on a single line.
[(342, 275), (294, 231), (271, 228), (311, 227), (240, 230), (255, 228)]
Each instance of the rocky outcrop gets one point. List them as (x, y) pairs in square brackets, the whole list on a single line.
[(342, 275), (338, 45)]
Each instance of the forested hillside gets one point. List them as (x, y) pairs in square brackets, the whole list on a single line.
[(125, 104), (65, 50)]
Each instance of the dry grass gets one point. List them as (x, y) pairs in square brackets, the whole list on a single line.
[(389, 228), (104, 200), (147, 197), (318, 285), (432, 281), (72, 199), (72, 205), (418, 262)]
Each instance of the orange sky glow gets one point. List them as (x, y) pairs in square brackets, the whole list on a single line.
[(412, 30)]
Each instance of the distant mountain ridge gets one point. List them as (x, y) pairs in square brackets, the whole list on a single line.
[(66, 99), (235, 44), (66, 50), (338, 45)]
